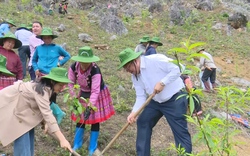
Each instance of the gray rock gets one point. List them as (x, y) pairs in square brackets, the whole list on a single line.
[(179, 13), (217, 26), (221, 115), (237, 20), (204, 5), (112, 24), (155, 7), (85, 37), (64, 46), (113, 37), (241, 81), (61, 28)]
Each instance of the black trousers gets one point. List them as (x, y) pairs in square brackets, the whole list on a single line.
[(209, 74)]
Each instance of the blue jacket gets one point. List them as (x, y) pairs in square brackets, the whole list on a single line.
[(47, 56), (150, 50), (4, 28)]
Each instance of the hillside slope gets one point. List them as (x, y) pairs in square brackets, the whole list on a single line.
[(235, 47)]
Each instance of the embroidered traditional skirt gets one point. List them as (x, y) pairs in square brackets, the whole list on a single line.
[(104, 110), (6, 81)]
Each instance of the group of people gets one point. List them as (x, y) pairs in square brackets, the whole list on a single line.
[(154, 73), (148, 46), (34, 102), (62, 8), (208, 68), (30, 103)]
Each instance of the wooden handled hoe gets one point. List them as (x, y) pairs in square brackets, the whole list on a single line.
[(127, 124)]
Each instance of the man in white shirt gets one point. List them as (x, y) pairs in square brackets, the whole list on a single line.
[(33, 43), (23, 34), (156, 74), (208, 67)]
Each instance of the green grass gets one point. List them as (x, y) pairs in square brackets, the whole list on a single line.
[(171, 36)]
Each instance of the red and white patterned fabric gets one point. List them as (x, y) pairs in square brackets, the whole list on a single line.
[(104, 107), (6, 81)]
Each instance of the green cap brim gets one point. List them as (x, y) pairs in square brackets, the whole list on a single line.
[(40, 36), (62, 80), (17, 42), (85, 60), (5, 71), (129, 59)]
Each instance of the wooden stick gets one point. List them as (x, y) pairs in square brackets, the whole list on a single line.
[(127, 124)]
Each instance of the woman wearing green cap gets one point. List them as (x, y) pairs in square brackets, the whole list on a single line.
[(14, 65), (46, 57), (25, 105), (87, 74)]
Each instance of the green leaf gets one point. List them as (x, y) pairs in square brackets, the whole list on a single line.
[(180, 96), (79, 109), (94, 108), (194, 45), (66, 97), (84, 99), (191, 104), (178, 50), (71, 108)]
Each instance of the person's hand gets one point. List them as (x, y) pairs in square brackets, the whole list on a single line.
[(37, 72), (46, 127), (61, 58), (131, 118), (159, 87), (65, 145)]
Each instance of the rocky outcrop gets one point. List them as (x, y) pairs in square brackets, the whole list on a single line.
[(237, 20)]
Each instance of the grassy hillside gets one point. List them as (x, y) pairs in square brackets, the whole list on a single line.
[(219, 44)]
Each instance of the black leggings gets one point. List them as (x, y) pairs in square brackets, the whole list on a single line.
[(94, 127)]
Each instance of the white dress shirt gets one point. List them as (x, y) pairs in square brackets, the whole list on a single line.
[(156, 68)]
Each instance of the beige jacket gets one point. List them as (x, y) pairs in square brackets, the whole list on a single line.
[(22, 109)]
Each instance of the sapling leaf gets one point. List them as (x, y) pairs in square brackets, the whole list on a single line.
[(80, 110), (197, 44), (66, 97)]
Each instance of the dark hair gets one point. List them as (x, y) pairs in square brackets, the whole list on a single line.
[(38, 23), (44, 82)]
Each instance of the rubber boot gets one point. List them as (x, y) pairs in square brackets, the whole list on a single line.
[(57, 112), (93, 142), (207, 86), (78, 140)]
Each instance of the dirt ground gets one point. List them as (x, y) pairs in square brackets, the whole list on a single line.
[(162, 135)]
